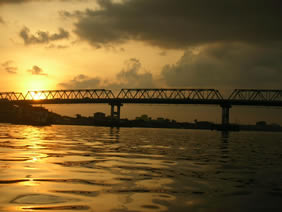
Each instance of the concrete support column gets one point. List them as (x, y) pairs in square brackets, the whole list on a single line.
[(225, 114), (112, 111), (118, 112), (115, 111)]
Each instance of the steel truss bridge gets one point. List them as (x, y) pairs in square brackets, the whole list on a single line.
[(247, 97)]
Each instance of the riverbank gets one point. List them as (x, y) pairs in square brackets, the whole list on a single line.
[(39, 116)]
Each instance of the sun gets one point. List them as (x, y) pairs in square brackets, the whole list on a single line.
[(37, 84), (32, 87), (37, 95)]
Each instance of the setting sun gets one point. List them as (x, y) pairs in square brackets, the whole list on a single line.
[(35, 95), (36, 84)]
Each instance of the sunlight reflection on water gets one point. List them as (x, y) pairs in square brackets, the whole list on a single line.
[(75, 168)]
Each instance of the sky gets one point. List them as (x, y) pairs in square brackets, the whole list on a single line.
[(114, 44)]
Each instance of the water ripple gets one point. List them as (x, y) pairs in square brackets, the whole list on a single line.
[(78, 168)]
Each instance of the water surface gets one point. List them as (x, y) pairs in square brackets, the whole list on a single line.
[(78, 168)]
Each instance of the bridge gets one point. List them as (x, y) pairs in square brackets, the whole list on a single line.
[(246, 97)]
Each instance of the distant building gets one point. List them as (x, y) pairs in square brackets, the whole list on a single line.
[(204, 124), (160, 119), (261, 123), (99, 116), (144, 117), (274, 125)]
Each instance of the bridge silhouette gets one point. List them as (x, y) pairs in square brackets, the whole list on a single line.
[(246, 97)]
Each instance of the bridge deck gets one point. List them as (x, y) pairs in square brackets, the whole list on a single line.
[(150, 101)]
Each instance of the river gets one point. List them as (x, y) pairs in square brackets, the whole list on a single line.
[(83, 168)]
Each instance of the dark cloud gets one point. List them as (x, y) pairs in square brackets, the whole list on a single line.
[(131, 76), (52, 46), (25, 1), (67, 14), (42, 37), (81, 82), (12, 1), (163, 53), (37, 71), (227, 65), (9, 67), (181, 23)]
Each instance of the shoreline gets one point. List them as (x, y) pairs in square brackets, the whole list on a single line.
[(40, 116)]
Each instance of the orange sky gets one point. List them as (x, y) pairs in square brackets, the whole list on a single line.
[(63, 59)]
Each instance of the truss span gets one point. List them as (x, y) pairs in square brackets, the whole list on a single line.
[(169, 94), (11, 96), (69, 94), (256, 95)]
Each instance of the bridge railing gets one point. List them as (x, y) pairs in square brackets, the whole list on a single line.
[(194, 94), (69, 94), (256, 95)]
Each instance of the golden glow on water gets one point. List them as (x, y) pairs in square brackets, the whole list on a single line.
[(57, 174), (30, 182), (69, 168)]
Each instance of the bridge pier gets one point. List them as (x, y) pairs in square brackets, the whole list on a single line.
[(115, 111), (225, 115)]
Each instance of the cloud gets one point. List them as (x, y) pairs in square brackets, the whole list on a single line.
[(131, 76), (9, 67), (52, 46), (42, 37), (224, 65), (66, 14), (2, 20), (81, 82), (12, 1), (180, 24), (163, 53), (232, 65), (25, 1), (37, 71)]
